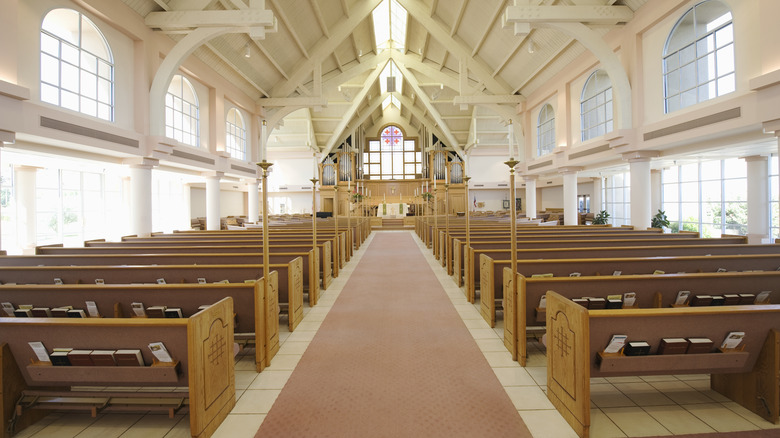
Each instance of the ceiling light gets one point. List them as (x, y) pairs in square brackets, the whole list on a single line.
[(247, 53), (531, 47)]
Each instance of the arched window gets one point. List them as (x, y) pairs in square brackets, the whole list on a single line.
[(699, 56), (596, 106), (392, 156), (545, 131), (77, 68), (181, 112), (235, 143)]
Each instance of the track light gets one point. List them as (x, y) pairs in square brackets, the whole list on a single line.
[(531, 47), (247, 53)]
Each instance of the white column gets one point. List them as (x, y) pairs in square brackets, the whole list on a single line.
[(530, 196), (212, 200), (640, 192), (253, 200), (570, 216), (595, 198), (757, 198), (656, 189), (141, 199), (24, 192)]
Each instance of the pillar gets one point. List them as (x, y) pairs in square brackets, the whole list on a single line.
[(253, 200), (595, 199), (570, 214), (141, 195), (757, 198), (212, 200), (530, 196), (640, 192), (656, 189), (24, 192)]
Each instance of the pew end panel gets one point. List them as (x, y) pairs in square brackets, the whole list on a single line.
[(457, 260), (271, 317), (487, 302), (510, 310), (295, 293)]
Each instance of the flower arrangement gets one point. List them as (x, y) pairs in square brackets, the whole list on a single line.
[(427, 196), (356, 196)]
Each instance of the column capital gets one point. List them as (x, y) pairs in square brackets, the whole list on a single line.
[(212, 174), (569, 170), (161, 144), (638, 156), (141, 162), (530, 177), (755, 158), (26, 167)]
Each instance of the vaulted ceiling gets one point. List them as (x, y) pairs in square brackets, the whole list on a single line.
[(462, 67)]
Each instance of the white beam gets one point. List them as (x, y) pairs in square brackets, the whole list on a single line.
[(293, 33), (199, 19), (489, 27), (459, 17), (481, 99), (593, 14), (293, 101), (320, 18)]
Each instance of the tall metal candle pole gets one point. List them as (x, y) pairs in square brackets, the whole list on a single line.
[(468, 225), (314, 224), (443, 251), (512, 163)]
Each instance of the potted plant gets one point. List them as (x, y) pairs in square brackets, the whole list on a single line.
[(659, 220), (601, 218)]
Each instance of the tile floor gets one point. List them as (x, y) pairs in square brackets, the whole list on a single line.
[(621, 407)]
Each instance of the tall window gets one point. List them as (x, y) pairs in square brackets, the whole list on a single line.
[(698, 58), (774, 194), (77, 68), (617, 198), (545, 131), (596, 106), (235, 143), (708, 197), (392, 156), (181, 112)]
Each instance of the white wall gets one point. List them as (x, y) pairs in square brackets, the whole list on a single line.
[(487, 169)]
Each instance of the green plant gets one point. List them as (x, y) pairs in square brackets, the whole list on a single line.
[(601, 218), (659, 220), (427, 196), (356, 197)]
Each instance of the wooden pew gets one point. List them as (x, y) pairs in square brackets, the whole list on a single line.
[(290, 283), (491, 271), (577, 337), (202, 345), (114, 301), (521, 308), (472, 273)]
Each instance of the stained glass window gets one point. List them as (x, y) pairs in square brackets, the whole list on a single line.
[(392, 156)]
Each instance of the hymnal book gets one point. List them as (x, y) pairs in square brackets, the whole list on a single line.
[(616, 343), (629, 299), (23, 313), (138, 309), (41, 312), (637, 348), (57, 281), (201, 280), (597, 303), (59, 357), (543, 302), (60, 312), (730, 299), (173, 312), (26, 306), (76, 313), (103, 358), (575, 274), (732, 341), (160, 352), (156, 311), (129, 358), (743, 299), (699, 346), (40, 351), (763, 297), (581, 301), (701, 300), (92, 309), (672, 346), (718, 300), (8, 308), (541, 275), (221, 282), (682, 297), (100, 281), (160, 281), (80, 358), (616, 273), (614, 301), (658, 272), (721, 270)]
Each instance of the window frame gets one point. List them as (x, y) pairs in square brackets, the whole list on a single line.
[(593, 122), (237, 133), (369, 157), (171, 130), (544, 128)]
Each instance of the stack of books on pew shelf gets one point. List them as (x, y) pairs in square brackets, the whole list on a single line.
[(684, 297), (636, 348), (67, 356), (699, 346), (672, 346), (163, 312)]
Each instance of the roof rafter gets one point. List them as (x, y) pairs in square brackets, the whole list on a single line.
[(289, 26), (458, 18), (320, 18), (496, 14)]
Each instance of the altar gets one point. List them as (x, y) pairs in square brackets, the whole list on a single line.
[(392, 210)]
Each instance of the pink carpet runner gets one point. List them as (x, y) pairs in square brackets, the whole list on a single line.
[(393, 359)]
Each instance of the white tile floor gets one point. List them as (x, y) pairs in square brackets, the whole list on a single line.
[(624, 406)]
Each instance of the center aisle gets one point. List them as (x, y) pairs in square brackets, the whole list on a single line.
[(392, 359)]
